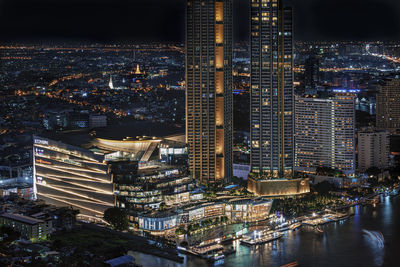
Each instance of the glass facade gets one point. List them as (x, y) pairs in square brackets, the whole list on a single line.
[(271, 81), (209, 89)]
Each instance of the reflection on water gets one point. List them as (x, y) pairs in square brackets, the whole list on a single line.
[(375, 242), (341, 244), (146, 260)]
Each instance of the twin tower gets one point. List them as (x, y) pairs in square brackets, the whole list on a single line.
[(209, 101)]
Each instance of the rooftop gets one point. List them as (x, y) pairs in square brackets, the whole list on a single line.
[(21, 218), (159, 214)]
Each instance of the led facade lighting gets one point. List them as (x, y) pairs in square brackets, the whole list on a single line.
[(66, 175), (209, 89)]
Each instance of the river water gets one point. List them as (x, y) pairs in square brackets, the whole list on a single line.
[(353, 242)]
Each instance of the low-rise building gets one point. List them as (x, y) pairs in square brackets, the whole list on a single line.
[(158, 222), (235, 210), (196, 213), (97, 121), (214, 210), (248, 210), (340, 182), (30, 228)]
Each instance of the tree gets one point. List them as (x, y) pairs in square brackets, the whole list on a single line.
[(117, 218), (324, 188), (163, 206)]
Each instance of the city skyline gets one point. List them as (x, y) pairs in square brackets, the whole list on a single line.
[(241, 146)]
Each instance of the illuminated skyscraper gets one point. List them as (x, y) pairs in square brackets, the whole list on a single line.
[(325, 129), (209, 89), (271, 89)]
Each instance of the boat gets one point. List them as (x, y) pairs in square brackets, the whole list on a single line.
[(251, 241), (211, 252), (294, 226), (216, 258), (283, 229), (319, 230)]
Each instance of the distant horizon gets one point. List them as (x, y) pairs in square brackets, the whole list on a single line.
[(129, 43)]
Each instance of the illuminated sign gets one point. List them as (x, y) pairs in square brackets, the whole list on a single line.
[(41, 142), (43, 162), (163, 151), (351, 91), (38, 151)]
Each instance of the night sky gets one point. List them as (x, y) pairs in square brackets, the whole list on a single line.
[(163, 20)]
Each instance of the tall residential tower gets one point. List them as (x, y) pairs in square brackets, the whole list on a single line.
[(271, 89), (271, 102), (209, 89)]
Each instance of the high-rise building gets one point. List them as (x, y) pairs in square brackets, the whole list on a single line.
[(209, 89), (271, 102), (373, 149), (388, 106), (271, 89), (325, 129), (311, 72)]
